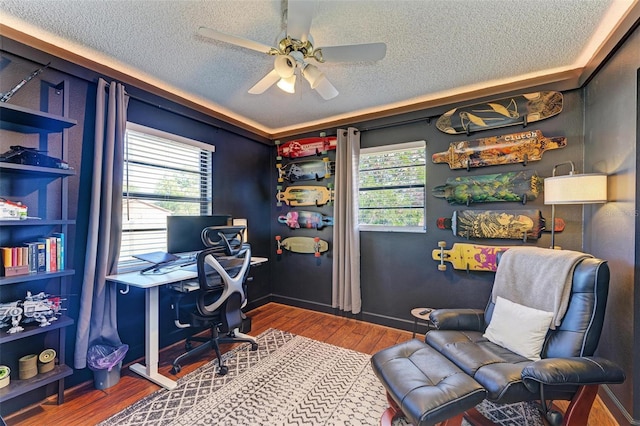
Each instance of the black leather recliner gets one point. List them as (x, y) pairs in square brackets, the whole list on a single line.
[(567, 369), (217, 304)]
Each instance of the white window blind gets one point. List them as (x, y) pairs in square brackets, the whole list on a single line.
[(164, 175), (392, 182)]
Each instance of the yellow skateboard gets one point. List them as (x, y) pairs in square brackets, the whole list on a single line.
[(302, 245), (468, 257), (305, 195)]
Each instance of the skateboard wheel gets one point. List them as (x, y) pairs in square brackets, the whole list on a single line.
[(279, 187), (330, 185), (442, 244), (325, 159), (317, 254), (279, 157), (279, 251), (442, 267), (278, 237)]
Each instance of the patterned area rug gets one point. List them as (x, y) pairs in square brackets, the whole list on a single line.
[(289, 380)]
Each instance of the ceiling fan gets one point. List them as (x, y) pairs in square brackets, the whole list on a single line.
[(294, 47)]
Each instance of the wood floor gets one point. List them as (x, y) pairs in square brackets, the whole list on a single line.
[(84, 405)]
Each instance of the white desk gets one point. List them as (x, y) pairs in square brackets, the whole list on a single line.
[(151, 283)]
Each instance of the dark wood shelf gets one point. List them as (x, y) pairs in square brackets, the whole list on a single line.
[(26, 120), (34, 328), (35, 276), (34, 171), (18, 387), (36, 222)]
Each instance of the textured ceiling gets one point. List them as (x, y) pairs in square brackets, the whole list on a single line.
[(434, 47)]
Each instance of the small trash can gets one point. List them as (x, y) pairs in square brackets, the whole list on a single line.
[(106, 361)]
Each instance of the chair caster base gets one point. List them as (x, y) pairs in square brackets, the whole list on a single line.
[(254, 347), (222, 370), (175, 369)]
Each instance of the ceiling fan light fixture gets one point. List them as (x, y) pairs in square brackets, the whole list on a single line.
[(326, 89), (285, 66), (313, 75), (288, 84)]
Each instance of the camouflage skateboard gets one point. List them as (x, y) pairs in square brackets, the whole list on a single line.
[(305, 147), (507, 224), (520, 109), (468, 257), (306, 170), (520, 186), (305, 245), (305, 219), (305, 195), (507, 149)]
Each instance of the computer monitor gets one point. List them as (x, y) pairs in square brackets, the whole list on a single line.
[(184, 232)]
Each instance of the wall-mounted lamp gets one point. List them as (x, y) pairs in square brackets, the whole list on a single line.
[(588, 188)]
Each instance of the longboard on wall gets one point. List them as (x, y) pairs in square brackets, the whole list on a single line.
[(305, 219), (306, 245), (501, 224), (305, 195), (520, 186), (507, 149), (305, 147), (510, 111), (467, 256), (306, 170)]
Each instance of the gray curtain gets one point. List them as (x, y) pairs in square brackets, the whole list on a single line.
[(97, 322), (346, 237)]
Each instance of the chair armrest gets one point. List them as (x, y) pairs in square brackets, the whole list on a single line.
[(458, 319), (571, 371)]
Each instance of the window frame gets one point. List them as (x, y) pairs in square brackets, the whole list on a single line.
[(389, 148), (129, 263)]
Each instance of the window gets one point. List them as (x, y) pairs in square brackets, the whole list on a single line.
[(392, 188), (164, 174)]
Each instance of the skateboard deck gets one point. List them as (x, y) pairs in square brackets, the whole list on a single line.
[(306, 170), (304, 195), (305, 219), (305, 245), (520, 109), (468, 257), (506, 224), (507, 149), (520, 186), (305, 147)]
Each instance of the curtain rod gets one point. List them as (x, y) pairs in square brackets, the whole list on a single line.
[(399, 123)]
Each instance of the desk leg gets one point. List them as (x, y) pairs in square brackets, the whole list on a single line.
[(150, 371)]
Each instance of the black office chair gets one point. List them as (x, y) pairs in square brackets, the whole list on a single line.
[(217, 305)]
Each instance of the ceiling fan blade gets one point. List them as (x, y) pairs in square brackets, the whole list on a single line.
[(326, 89), (231, 39), (266, 82), (354, 52), (299, 15)]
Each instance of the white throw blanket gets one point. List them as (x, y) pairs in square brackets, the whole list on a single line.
[(538, 278)]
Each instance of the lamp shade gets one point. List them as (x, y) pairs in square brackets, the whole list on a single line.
[(586, 188), (288, 84)]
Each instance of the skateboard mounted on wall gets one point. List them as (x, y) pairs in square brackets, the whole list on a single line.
[(306, 170), (507, 149), (520, 186), (510, 111), (296, 219), (305, 147), (305, 195), (306, 245), (502, 224), (468, 257)]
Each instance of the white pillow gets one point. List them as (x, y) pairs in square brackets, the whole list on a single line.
[(518, 328)]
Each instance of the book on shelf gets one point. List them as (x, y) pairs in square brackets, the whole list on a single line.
[(45, 255), (60, 245)]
